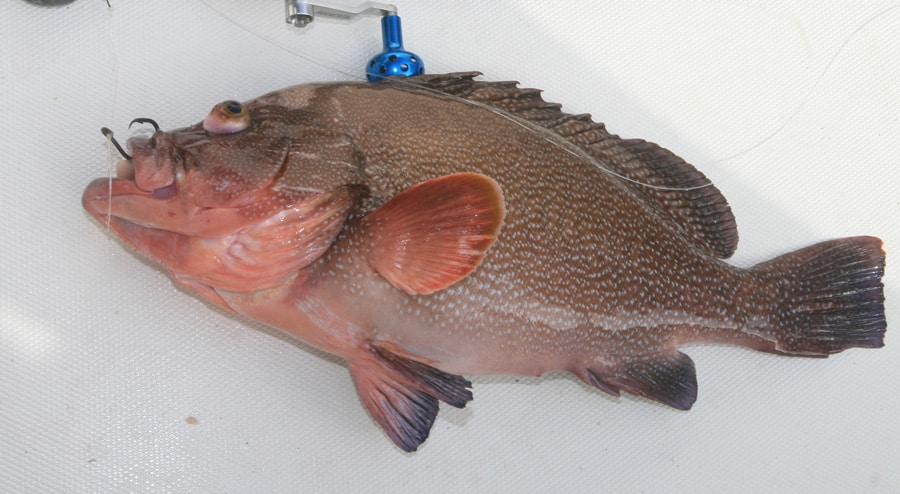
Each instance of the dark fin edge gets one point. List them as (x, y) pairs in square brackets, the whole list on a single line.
[(701, 210), (828, 297), (669, 379), (402, 394)]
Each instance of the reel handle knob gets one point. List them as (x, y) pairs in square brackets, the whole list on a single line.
[(394, 60)]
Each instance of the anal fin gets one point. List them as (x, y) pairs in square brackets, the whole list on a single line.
[(667, 378), (402, 394)]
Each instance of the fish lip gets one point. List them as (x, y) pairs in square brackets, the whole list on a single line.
[(115, 201), (98, 195), (96, 200), (103, 189)]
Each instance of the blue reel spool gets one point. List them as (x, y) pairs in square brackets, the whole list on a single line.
[(394, 60)]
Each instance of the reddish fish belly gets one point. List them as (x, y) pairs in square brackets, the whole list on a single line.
[(504, 338)]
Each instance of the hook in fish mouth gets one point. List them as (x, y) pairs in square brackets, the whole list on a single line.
[(109, 135)]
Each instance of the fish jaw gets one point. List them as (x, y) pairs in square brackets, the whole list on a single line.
[(155, 209), (223, 248), (151, 225)]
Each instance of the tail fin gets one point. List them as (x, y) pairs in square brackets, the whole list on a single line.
[(829, 297)]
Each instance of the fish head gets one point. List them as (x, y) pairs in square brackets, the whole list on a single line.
[(239, 201)]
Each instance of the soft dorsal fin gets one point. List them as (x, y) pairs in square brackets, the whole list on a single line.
[(435, 233), (675, 187)]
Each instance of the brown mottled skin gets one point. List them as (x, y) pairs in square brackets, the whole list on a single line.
[(607, 258)]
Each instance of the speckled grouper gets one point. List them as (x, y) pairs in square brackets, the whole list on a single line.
[(440, 226)]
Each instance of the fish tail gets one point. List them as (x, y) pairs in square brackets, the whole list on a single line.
[(823, 299)]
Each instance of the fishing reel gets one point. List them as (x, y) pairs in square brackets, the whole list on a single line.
[(392, 61)]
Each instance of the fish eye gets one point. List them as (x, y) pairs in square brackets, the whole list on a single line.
[(227, 117), (234, 109)]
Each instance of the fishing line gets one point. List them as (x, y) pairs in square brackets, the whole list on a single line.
[(581, 153), (548, 135), (574, 149), (115, 100), (343, 70), (571, 149), (812, 89)]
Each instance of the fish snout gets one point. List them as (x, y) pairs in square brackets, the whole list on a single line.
[(96, 196), (150, 170)]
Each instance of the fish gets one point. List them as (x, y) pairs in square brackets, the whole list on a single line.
[(442, 226)]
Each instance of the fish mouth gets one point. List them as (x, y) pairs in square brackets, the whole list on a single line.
[(96, 198), (120, 204), (101, 192), (125, 171), (116, 203), (147, 219)]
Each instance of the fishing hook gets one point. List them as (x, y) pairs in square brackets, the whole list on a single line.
[(109, 135), (145, 120)]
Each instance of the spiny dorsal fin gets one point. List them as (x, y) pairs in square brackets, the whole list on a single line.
[(695, 204)]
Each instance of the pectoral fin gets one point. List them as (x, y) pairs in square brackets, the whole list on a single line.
[(435, 233), (402, 394)]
